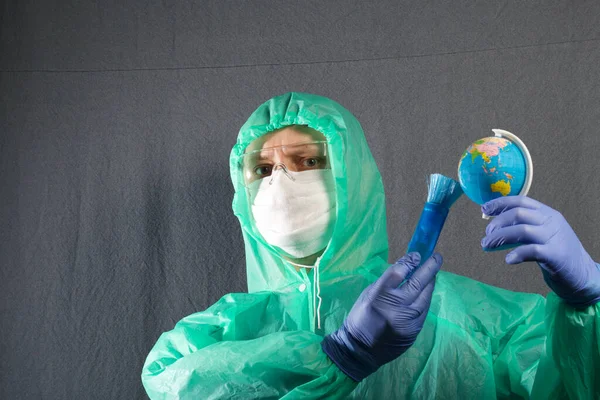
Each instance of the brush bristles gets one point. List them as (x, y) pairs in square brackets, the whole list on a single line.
[(443, 190)]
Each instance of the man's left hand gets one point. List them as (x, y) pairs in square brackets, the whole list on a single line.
[(543, 235)]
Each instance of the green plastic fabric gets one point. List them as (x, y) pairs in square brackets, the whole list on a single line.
[(478, 342)]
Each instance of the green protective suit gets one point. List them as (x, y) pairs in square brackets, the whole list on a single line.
[(478, 341)]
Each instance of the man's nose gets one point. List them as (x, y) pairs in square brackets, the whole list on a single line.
[(280, 169), (287, 162)]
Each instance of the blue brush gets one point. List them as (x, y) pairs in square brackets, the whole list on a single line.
[(443, 192)]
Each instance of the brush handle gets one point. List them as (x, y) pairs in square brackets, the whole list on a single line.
[(428, 230)]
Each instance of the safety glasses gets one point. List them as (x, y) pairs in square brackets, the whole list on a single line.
[(297, 157)]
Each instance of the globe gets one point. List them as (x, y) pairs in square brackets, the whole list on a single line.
[(495, 166)]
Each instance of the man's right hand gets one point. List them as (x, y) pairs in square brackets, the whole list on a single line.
[(386, 319)]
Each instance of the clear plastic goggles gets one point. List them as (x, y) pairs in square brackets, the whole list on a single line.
[(262, 163)]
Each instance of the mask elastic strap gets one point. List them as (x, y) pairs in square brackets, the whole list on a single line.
[(300, 265)]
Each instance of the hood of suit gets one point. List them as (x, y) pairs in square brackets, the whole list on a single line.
[(359, 233)]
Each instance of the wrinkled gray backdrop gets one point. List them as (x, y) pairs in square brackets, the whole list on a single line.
[(117, 118)]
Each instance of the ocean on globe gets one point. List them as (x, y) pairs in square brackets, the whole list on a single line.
[(490, 168)]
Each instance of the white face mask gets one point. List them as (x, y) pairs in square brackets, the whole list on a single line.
[(296, 216)]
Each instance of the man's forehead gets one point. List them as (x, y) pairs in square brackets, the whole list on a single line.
[(286, 136)]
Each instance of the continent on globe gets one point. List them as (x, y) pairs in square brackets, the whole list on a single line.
[(502, 187), (486, 148)]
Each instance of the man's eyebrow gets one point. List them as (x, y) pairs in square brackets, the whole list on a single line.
[(304, 150), (262, 157)]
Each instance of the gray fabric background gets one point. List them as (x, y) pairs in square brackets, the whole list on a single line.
[(117, 118)]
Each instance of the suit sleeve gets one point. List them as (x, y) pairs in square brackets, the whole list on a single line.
[(241, 348)]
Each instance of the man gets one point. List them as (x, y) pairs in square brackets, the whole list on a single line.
[(327, 317)]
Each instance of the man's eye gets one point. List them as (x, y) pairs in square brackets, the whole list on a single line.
[(263, 170), (311, 162)]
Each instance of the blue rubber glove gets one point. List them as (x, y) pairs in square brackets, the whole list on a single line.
[(386, 319), (543, 235)]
